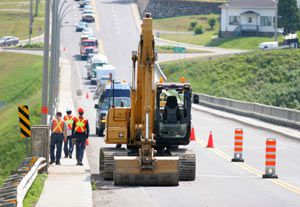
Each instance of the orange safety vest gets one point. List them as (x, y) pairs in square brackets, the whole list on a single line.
[(80, 124), (57, 126), (69, 121)]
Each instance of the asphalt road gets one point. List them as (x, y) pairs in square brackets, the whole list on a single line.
[(218, 181)]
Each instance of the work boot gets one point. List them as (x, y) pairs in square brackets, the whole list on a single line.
[(81, 164), (70, 156), (51, 162), (58, 163)]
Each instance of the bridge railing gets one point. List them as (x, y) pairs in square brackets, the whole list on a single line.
[(272, 114)]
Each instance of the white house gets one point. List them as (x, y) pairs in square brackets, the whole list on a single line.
[(251, 17)]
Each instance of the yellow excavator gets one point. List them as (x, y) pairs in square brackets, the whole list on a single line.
[(151, 131)]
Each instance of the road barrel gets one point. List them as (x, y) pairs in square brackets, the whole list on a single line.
[(238, 146), (270, 158)]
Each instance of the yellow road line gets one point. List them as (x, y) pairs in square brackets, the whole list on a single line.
[(251, 169), (101, 49), (96, 16)]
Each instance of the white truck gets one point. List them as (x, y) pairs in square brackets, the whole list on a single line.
[(103, 74), (97, 60)]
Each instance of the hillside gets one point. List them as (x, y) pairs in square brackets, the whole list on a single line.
[(20, 83), (271, 77)]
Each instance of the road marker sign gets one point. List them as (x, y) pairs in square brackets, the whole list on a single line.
[(238, 146), (44, 110), (270, 159), (24, 121)]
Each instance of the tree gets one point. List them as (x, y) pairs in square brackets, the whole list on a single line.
[(211, 22), (198, 30), (288, 15), (193, 25)]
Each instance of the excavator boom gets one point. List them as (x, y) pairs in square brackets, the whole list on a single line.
[(145, 169)]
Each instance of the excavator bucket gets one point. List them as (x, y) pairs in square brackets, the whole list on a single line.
[(128, 171)]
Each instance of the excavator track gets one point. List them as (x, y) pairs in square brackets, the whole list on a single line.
[(187, 164), (106, 161)]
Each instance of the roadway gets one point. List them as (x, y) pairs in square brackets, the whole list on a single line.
[(218, 181)]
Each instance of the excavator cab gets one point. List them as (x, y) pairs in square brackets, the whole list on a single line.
[(173, 117)]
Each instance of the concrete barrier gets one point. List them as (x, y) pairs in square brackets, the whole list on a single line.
[(276, 115)]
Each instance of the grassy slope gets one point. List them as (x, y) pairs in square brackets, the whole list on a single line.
[(20, 83), (271, 77), (35, 191), (16, 23), (207, 38)]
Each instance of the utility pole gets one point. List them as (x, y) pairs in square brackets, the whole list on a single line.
[(37, 7), (276, 21), (46, 63), (30, 19), (53, 55)]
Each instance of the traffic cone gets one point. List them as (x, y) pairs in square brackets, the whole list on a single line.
[(193, 137), (87, 96), (210, 143)]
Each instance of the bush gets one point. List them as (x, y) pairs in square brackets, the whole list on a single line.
[(211, 22), (193, 25), (198, 30)]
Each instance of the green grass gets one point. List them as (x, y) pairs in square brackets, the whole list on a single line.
[(35, 191), (20, 83), (182, 23), (267, 77), (169, 49), (209, 37), (16, 23)]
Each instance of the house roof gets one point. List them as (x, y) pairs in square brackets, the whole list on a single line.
[(250, 3)]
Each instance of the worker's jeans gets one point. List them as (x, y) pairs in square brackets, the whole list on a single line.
[(80, 147), (68, 146), (56, 140)]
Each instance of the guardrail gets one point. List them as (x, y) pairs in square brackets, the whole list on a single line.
[(159, 72), (272, 114), (16, 186)]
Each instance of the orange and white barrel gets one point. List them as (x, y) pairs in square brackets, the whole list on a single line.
[(270, 159), (238, 146)]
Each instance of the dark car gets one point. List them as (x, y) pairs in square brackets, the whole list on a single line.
[(81, 26), (8, 40)]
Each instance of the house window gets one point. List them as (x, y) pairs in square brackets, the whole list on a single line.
[(234, 20), (250, 20), (265, 21)]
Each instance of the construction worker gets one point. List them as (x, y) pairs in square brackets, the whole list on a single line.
[(58, 134), (68, 143), (80, 132)]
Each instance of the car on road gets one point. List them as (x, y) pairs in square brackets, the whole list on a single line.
[(88, 16), (8, 41), (268, 45), (82, 3), (81, 26), (87, 7)]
